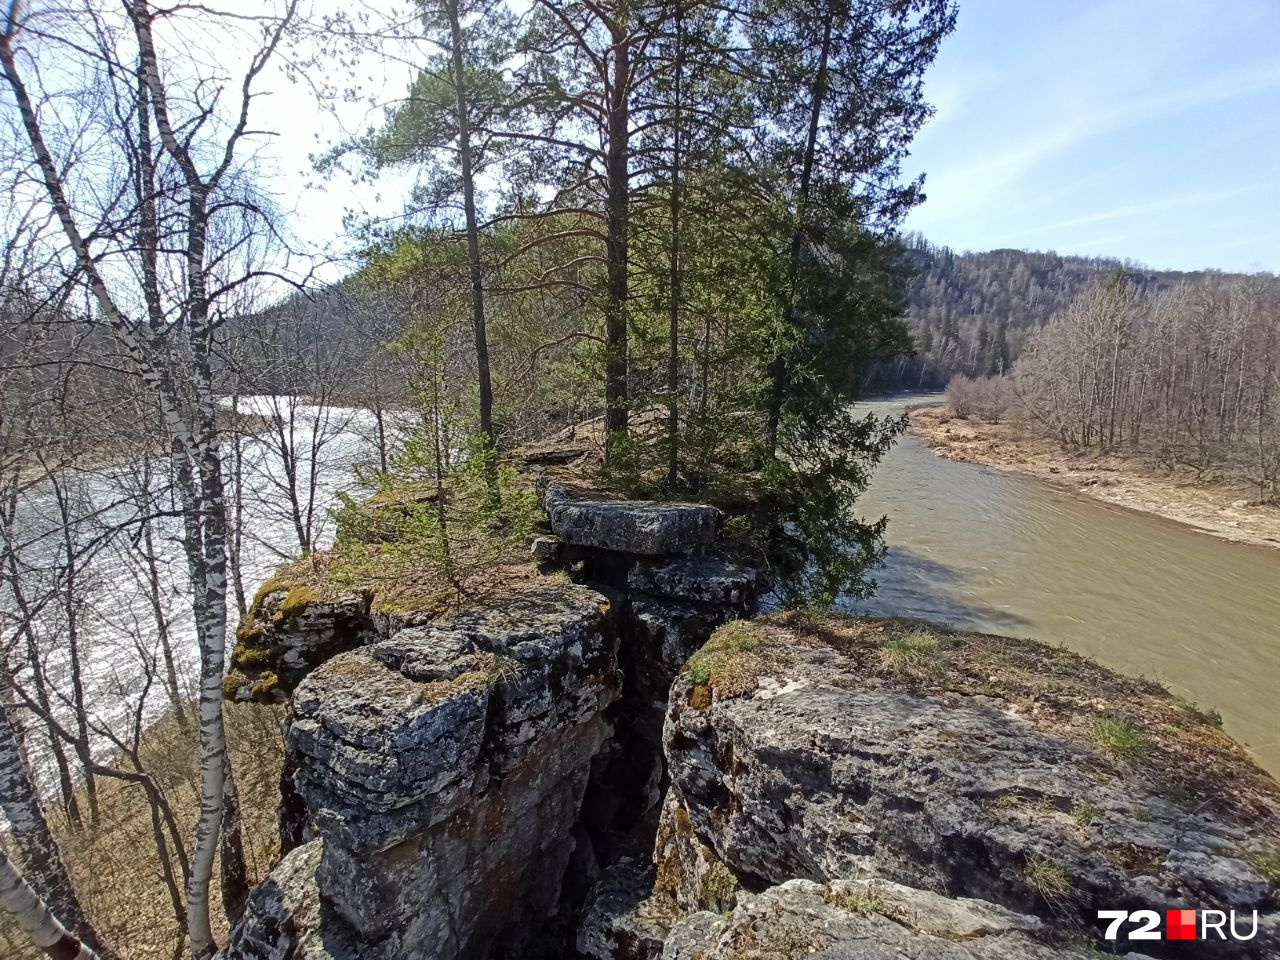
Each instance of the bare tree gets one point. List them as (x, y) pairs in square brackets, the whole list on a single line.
[(181, 182), (1186, 377), (35, 918)]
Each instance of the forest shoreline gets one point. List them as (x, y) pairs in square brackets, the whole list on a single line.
[(1221, 509)]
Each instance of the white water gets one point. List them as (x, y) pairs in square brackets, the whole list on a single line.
[(118, 632)]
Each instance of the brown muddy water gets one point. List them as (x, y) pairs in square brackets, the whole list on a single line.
[(988, 550)]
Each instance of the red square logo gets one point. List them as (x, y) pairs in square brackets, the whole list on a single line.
[(1180, 924)]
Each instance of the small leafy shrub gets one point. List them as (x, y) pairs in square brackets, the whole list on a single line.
[(719, 888)]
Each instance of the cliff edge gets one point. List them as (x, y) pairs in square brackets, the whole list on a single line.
[(606, 757)]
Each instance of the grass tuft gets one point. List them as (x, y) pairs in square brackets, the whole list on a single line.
[(1120, 738), (914, 653), (729, 661), (1048, 878), (1267, 863), (1084, 813)]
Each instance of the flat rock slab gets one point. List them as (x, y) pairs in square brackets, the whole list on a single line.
[(711, 580), (861, 921), (968, 765), (645, 527)]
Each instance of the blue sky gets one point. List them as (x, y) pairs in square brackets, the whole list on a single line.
[(1141, 129)]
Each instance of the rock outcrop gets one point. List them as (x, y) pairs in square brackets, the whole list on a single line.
[(285, 918), (290, 630), (613, 762), (962, 766), (442, 771), (863, 920), (456, 781)]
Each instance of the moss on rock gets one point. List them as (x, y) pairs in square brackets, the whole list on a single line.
[(296, 601), (729, 664)]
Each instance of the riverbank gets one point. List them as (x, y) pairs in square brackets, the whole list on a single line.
[(1223, 510)]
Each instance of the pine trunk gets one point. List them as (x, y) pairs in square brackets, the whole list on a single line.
[(473, 243), (616, 209)]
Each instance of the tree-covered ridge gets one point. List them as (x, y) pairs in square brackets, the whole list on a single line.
[(971, 313)]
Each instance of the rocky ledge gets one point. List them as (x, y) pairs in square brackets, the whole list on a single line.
[(973, 789), (442, 772), (604, 758), (457, 777)]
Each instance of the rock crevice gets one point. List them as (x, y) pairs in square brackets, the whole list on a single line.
[(456, 784)]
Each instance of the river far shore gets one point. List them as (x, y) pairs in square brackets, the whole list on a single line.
[(1224, 510)]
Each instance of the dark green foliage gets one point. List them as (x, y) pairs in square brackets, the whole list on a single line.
[(695, 237)]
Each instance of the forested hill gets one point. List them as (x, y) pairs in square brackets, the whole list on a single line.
[(970, 312)]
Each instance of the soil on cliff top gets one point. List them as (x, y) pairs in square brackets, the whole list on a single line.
[(1135, 722)]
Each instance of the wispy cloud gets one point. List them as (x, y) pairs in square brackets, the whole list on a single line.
[(1143, 209), (961, 189), (1145, 124)]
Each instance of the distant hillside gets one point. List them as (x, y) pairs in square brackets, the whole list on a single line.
[(970, 312)]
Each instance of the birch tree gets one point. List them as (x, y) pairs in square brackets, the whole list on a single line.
[(157, 240), (35, 918), (20, 801)]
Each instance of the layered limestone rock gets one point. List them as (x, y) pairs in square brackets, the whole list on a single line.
[(650, 528), (443, 770), (487, 782), (860, 920), (285, 919), (457, 779), (962, 766), (290, 630)]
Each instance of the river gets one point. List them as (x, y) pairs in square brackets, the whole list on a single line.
[(969, 545), (115, 621), (992, 551)]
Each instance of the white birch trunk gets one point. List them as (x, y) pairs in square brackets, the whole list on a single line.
[(31, 834), (32, 914)]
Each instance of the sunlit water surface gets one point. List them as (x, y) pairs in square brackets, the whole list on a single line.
[(988, 550)]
